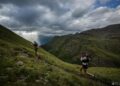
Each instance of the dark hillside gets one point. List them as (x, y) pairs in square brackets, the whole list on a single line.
[(103, 44), (20, 67)]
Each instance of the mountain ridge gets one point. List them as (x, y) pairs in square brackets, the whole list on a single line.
[(101, 43)]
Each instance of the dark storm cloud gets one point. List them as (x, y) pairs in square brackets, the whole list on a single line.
[(54, 17), (18, 2), (52, 4), (27, 15), (0, 6), (79, 12)]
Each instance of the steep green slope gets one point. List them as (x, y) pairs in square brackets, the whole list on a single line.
[(11, 37), (19, 66), (103, 44)]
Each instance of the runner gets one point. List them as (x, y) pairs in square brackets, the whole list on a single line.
[(35, 44), (84, 60)]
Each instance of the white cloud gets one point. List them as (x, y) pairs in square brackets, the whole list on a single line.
[(31, 36), (99, 17)]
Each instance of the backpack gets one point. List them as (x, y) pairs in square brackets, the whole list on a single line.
[(86, 60)]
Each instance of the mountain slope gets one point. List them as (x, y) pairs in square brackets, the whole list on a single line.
[(103, 45), (19, 66)]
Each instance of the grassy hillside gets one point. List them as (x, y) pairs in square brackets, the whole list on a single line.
[(103, 45), (19, 66)]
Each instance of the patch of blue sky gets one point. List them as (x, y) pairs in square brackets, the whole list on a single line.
[(109, 3)]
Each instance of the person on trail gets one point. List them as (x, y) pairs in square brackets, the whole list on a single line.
[(35, 44), (84, 60)]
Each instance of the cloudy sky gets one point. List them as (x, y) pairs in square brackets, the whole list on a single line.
[(38, 19)]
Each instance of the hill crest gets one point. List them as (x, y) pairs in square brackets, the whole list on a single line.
[(103, 43)]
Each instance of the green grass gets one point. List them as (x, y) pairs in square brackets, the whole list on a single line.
[(103, 45), (19, 66), (112, 74), (48, 71)]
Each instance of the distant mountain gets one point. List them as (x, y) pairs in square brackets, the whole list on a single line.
[(102, 43), (44, 39)]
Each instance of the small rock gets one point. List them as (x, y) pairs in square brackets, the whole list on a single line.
[(19, 63), (23, 55), (37, 80), (8, 68)]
